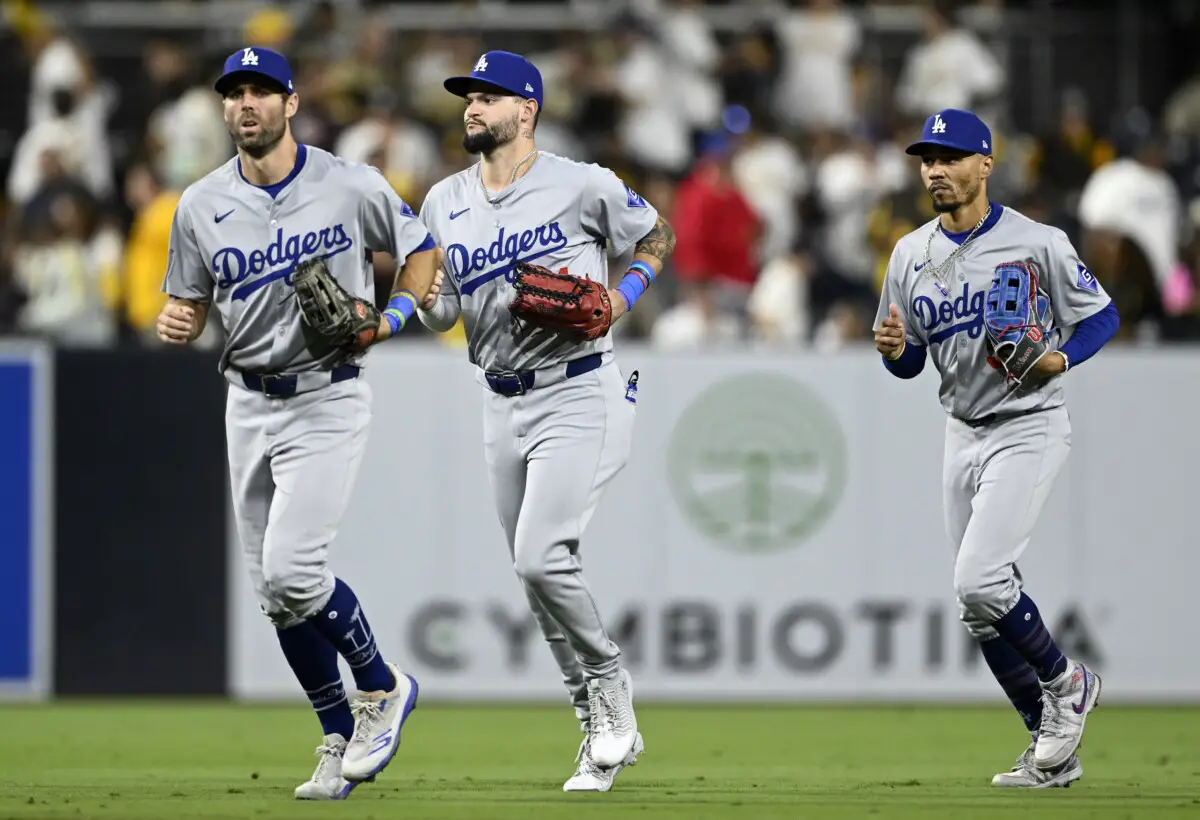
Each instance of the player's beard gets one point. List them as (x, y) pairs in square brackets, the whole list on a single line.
[(492, 137), (270, 132), (950, 204)]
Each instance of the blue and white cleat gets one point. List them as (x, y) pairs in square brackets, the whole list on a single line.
[(1066, 702), (378, 718), (1025, 775), (327, 782)]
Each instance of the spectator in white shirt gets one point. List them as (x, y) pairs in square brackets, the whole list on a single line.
[(951, 68), (70, 134), (819, 40), (770, 173), (662, 100)]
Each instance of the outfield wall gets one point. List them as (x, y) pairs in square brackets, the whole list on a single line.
[(777, 533)]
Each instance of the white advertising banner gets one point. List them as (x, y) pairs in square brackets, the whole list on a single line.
[(776, 535)]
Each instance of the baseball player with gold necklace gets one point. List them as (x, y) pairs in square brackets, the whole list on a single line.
[(1004, 307), (279, 241), (558, 415)]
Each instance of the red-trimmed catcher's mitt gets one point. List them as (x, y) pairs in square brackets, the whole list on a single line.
[(561, 302)]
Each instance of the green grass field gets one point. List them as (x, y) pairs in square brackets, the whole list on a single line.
[(140, 760)]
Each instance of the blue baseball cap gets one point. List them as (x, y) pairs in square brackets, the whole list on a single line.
[(955, 129), (504, 70), (254, 63)]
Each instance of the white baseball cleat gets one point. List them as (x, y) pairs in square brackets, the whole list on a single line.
[(589, 777), (327, 782), (613, 727), (1066, 702), (1025, 775), (378, 717)]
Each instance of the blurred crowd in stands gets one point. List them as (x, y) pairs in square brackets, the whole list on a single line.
[(776, 153)]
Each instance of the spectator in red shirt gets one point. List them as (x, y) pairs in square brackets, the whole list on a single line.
[(716, 230)]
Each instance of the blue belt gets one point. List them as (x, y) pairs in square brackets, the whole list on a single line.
[(516, 382), (283, 386)]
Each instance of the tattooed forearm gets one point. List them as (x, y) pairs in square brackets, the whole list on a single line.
[(658, 244)]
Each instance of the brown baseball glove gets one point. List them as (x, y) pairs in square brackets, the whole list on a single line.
[(568, 304), (336, 315)]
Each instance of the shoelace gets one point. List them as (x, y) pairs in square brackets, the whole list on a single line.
[(620, 718), (366, 713), (1053, 715), (1025, 759), (327, 755), (584, 759), (600, 706)]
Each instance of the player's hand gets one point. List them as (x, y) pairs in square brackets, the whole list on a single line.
[(617, 300), (1049, 366), (436, 288), (889, 339), (177, 324)]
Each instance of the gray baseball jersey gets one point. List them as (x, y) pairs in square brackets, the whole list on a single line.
[(236, 244), (561, 214), (946, 315)]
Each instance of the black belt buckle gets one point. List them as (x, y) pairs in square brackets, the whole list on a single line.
[(277, 386), (273, 386), (507, 383)]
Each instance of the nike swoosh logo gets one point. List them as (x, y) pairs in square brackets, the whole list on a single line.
[(456, 215), (220, 217), (1079, 707), (918, 266)]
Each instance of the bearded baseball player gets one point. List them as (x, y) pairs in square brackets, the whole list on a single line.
[(1004, 307), (525, 236), (279, 240)]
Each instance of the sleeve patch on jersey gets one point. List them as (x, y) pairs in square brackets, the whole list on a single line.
[(405, 209), (635, 199), (1086, 280)]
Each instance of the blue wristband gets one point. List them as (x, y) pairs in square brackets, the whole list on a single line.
[(634, 283), (646, 270), (400, 309)]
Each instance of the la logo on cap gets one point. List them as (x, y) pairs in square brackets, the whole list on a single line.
[(939, 125), (481, 65)]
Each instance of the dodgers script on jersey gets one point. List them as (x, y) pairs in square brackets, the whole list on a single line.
[(561, 214), (235, 245), (950, 323)]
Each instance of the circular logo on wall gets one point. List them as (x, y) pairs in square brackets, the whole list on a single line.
[(757, 462)]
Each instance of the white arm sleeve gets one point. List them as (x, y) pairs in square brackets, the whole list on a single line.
[(444, 314), (448, 306)]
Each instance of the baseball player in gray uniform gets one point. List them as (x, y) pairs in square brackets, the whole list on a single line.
[(297, 412), (1005, 443), (558, 413)]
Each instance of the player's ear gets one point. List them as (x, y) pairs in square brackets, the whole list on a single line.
[(291, 105), (985, 167), (532, 112)]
